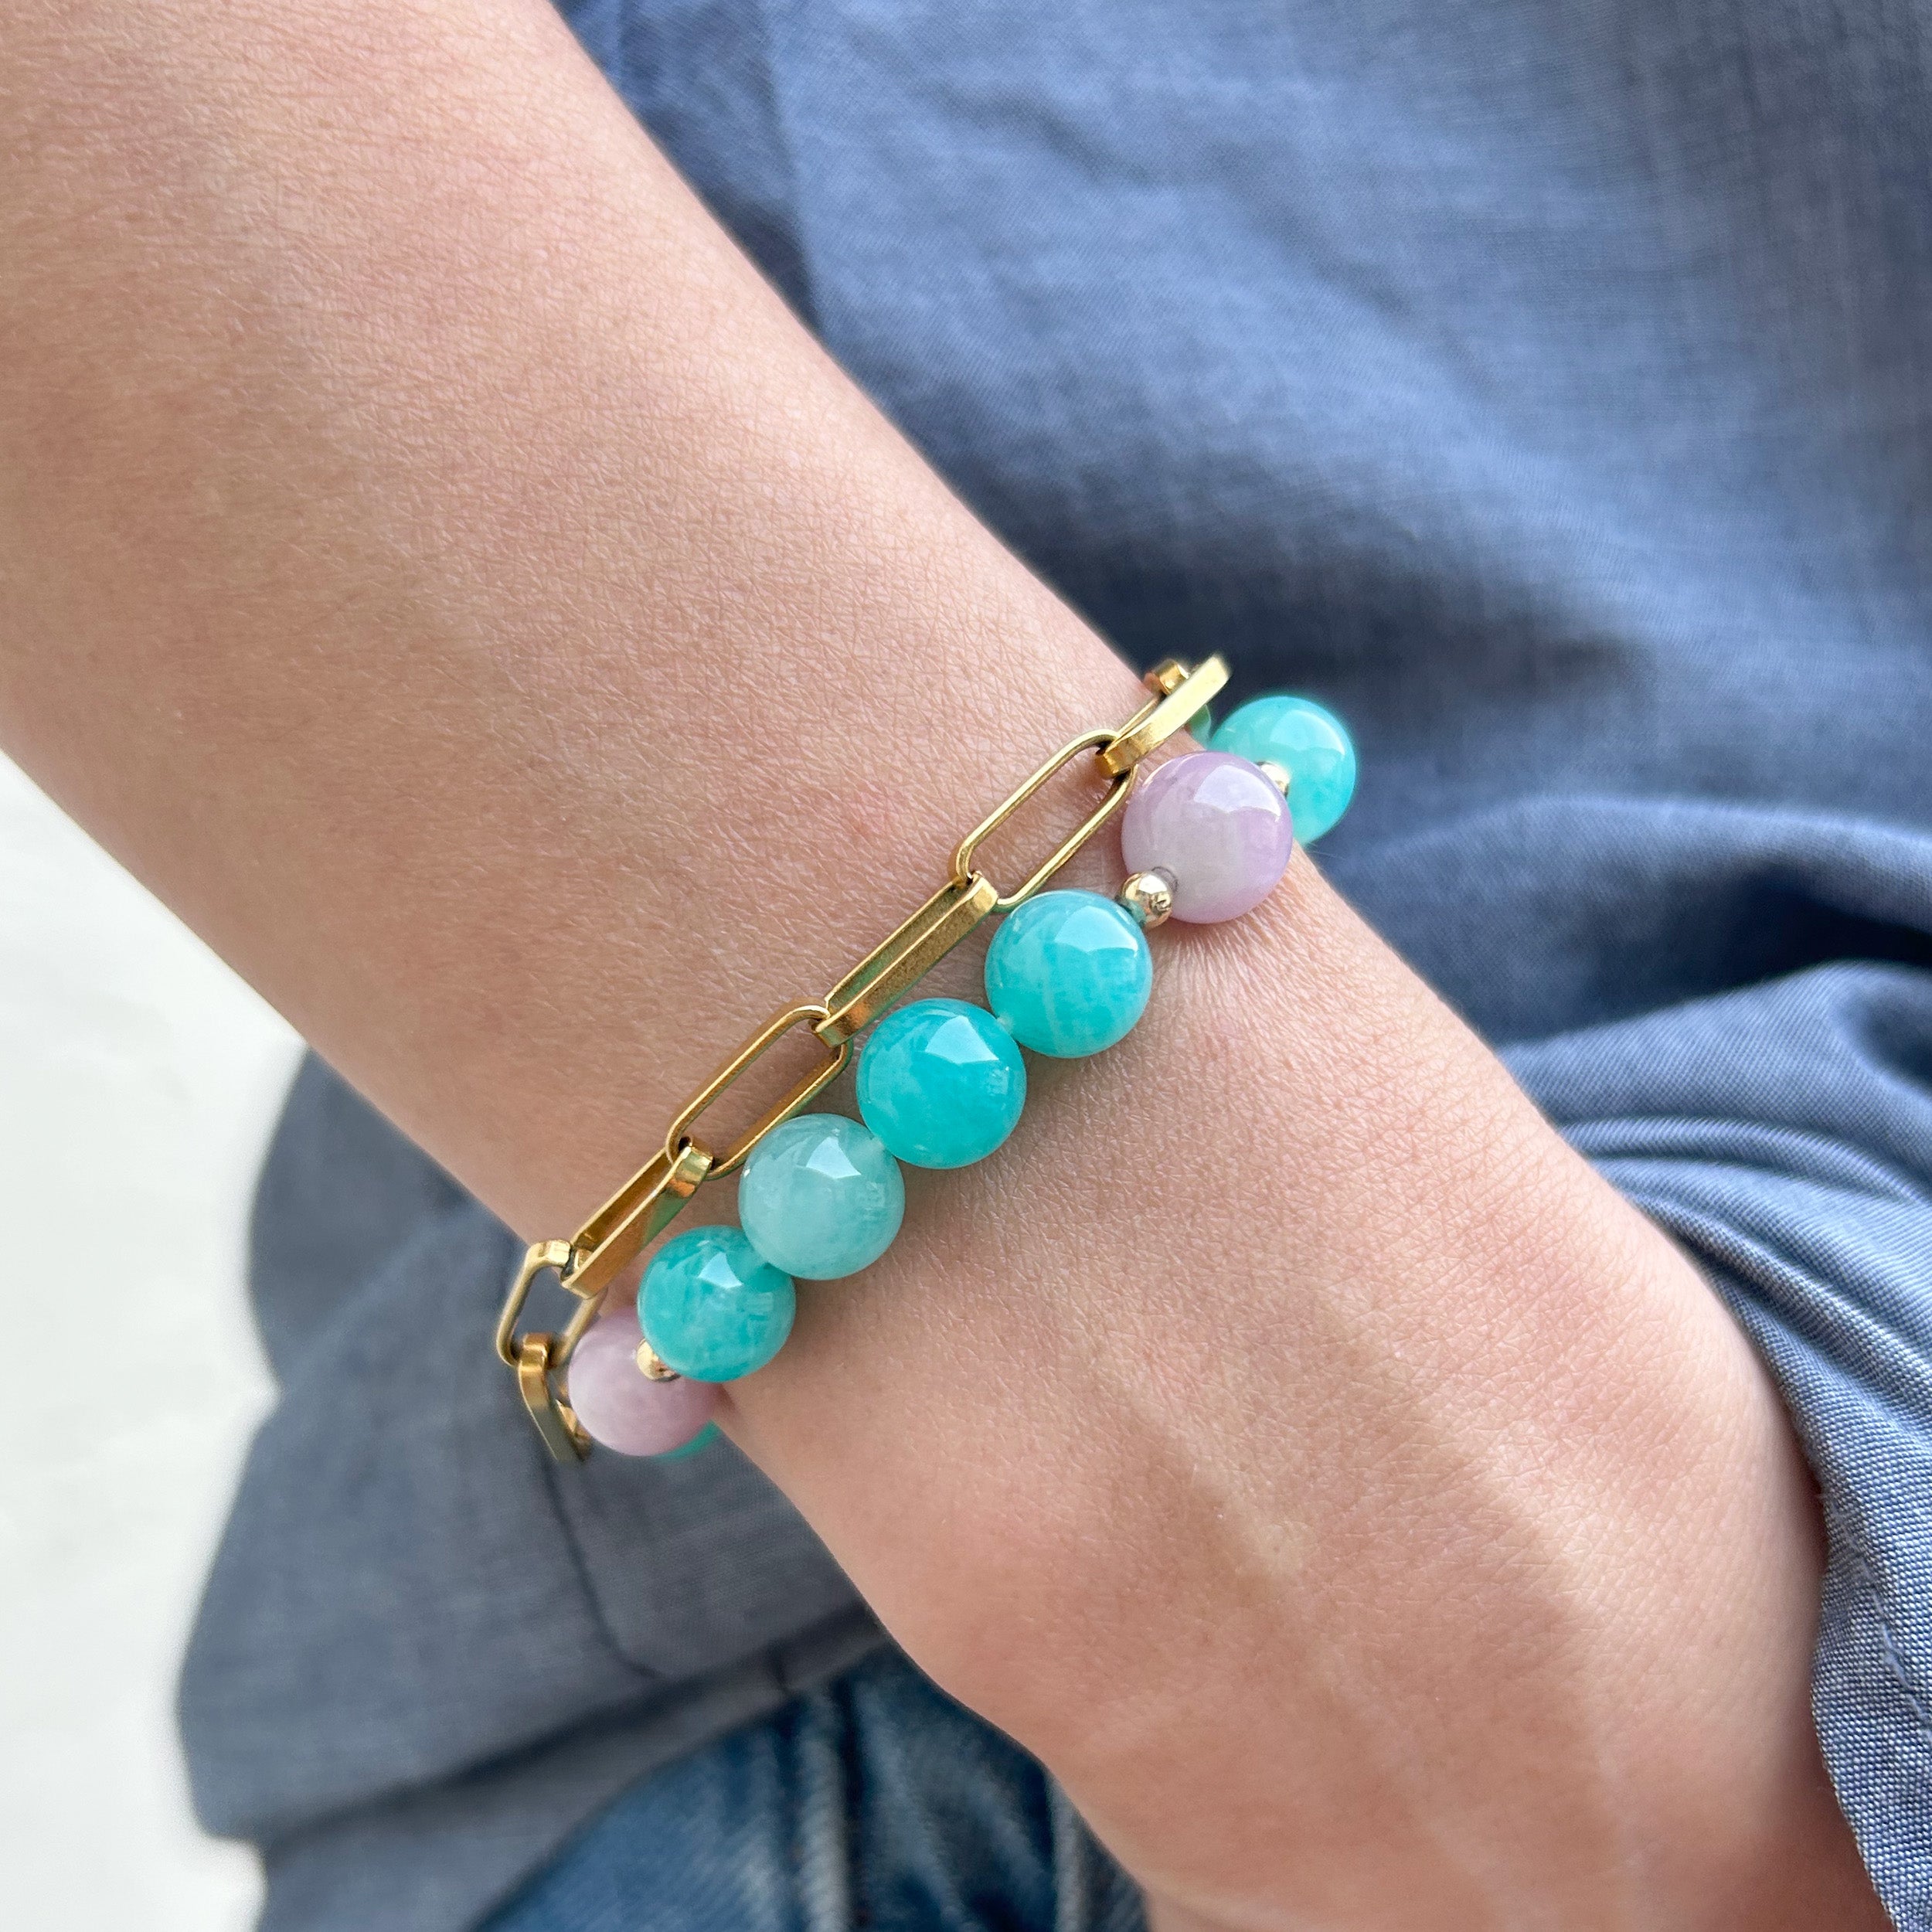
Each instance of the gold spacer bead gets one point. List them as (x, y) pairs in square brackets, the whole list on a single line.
[(1148, 897), (653, 1365), (1277, 775)]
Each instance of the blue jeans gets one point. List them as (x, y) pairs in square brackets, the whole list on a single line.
[(876, 1802)]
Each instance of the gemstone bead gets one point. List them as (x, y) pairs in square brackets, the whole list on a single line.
[(941, 1083), (1069, 973), (1217, 824), (705, 1436), (820, 1197), (1312, 745), (622, 1407), (713, 1307)]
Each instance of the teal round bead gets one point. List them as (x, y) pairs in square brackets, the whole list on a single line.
[(1312, 745), (820, 1197), (1069, 973), (941, 1083), (705, 1436), (713, 1307)]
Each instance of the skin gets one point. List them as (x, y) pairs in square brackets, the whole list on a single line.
[(436, 564)]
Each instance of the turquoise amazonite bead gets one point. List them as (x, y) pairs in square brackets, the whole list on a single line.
[(705, 1436), (941, 1083), (713, 1307), (1069, 973), (820, 1197), (1312, 746)]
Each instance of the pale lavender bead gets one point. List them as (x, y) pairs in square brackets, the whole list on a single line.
[(1218, 825), (620, 1406)]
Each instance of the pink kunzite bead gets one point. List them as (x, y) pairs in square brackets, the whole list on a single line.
[(1216, 825), (619, 1404)]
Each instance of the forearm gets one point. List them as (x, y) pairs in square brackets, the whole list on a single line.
[(401, 460), (440, 568)]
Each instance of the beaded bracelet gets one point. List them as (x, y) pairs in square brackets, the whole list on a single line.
[(940, 1083)]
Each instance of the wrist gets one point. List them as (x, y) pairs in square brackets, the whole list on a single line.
[(1292, 1379)]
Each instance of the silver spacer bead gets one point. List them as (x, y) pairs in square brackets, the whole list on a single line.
[(1277, 775), (653, 1365), (1148, 897)]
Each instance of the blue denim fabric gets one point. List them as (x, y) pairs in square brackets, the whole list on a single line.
[(876, 1802), (1545, 385)]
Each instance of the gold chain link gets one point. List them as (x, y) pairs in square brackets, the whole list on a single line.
[(807, 1090), (644, 1206)]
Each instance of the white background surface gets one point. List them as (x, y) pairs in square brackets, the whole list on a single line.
[(139, 1082)]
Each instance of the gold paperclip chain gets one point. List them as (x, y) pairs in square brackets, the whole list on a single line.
[(644, 1206)]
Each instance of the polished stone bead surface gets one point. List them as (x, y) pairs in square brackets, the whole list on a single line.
[(820, 1197), (1310, 743), (1216, 823), (941, 1083), (705, 1436), (1069, 973), (621, 1408), (713, 1307)]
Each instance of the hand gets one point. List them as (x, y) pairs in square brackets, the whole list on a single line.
[(1372, 1520)]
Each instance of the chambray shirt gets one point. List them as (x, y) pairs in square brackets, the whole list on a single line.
[(1546, 385)]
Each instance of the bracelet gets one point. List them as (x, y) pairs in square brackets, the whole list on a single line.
[(940, 1083)]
